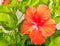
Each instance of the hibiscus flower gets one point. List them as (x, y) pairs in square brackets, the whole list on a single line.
[(38, 24), (5, 2)]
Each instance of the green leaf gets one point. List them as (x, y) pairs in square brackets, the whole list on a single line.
[(29, 2), (23, 40), (26, 3), (57, 19), (47, 41), (56, 3), (4, 8), (56, 34), (34, 2), (52, 44), (21, 6), (57, 6), (58, 10), (52, 9), (3, 42), (19, 25), (3, 17), (13, 3), (45, 2), (1, 31), (53, 37), (18, 38), (55, 42), (11, 22), (9, 38)]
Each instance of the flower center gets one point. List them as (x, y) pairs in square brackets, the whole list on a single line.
[(35, 27)]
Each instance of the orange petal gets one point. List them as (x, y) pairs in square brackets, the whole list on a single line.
[(30, 13), (49, 28), (43, 12), (36, 37), (26, 27)]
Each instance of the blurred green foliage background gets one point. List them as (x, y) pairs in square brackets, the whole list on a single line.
[(10, 34)]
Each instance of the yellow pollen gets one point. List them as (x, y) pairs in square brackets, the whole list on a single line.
[(29, 30)]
